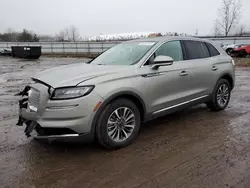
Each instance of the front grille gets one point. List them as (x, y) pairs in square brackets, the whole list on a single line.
[(34, 97)]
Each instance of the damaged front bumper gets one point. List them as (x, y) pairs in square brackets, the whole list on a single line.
[(27, 112), (28, 116), (53, 119), (23, 104)]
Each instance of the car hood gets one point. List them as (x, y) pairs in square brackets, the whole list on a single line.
[(74, 74)]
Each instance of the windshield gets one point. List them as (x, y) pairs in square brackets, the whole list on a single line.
[(124, 54)]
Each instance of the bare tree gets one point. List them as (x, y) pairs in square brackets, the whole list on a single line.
[(241, 30), (24, 36), (28, 36), (229, 15), (73, 34), (62, 35), (217, 31), (9, 32)]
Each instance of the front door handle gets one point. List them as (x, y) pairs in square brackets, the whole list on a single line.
[(153, 74), (183, 73), (214, 68)]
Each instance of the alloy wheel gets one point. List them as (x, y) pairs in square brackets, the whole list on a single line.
[(121, 124), (223, 95)]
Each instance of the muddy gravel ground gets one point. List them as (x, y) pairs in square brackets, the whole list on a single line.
[(191, 148)]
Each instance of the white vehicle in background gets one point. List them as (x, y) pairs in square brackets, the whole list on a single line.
[(229, 48)]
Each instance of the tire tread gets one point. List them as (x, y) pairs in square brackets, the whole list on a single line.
[(103, 139)]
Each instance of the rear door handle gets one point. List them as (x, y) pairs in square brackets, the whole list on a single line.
[(214, 68), (183, 73)]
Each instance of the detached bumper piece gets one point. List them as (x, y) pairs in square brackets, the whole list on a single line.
[(23, 104)]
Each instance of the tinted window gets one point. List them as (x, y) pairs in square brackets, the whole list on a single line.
[(213, 51), (196, 50), (172, 49)]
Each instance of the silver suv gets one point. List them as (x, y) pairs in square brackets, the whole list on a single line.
[(109, 97)]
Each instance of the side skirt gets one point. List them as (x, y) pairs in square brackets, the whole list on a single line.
[(177, 107)]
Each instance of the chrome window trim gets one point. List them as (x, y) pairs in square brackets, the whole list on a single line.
[(143, 64)]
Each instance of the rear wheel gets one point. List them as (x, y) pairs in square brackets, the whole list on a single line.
[(119, 124), (244, 53), (221, 96)]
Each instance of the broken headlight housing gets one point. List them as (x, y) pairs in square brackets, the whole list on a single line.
[(71, 92)]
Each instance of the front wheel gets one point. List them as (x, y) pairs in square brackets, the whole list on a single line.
[(119, 124), (221, 96)]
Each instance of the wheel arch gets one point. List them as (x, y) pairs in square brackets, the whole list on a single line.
[(230, 48), (123, 94), (229, 78)]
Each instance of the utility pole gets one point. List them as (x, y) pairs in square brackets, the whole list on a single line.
[(196, 32)]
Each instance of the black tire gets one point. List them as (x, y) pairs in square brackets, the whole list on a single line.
[(229, 51), (244, 54), (101, 129), (213, 104)]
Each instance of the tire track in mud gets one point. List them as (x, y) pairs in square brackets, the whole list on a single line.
[(191, 148)]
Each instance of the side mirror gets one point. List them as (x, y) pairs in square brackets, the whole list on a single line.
[(162, 60)]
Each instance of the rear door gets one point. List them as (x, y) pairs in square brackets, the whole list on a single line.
[(219, 64), (204, 68)]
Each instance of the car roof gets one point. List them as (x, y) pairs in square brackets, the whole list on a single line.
[(167, 38)]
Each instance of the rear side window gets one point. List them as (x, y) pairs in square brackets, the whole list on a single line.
[(195, 50), (213, 51)]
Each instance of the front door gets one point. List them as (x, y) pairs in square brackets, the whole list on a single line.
[(167, 86)]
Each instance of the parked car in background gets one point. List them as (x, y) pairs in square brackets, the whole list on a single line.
[(229, 48), (131, 83), (241, 51), (6, 52)]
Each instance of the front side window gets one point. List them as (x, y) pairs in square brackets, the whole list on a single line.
[(195, 50), (172, 49), (124, 54)]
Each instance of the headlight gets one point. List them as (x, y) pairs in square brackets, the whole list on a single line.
[(71, 92)]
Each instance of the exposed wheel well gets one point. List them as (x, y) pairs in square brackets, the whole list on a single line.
[(136, 101), (229, 79)]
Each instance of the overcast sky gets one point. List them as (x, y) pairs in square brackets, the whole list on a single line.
[(95, 17)]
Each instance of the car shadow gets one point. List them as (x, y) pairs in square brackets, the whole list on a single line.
[(158, 123)]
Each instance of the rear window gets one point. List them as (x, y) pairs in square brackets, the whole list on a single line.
[(213, 51), (195, 50)]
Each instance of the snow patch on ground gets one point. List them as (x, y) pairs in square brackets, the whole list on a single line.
[(123, 36)]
